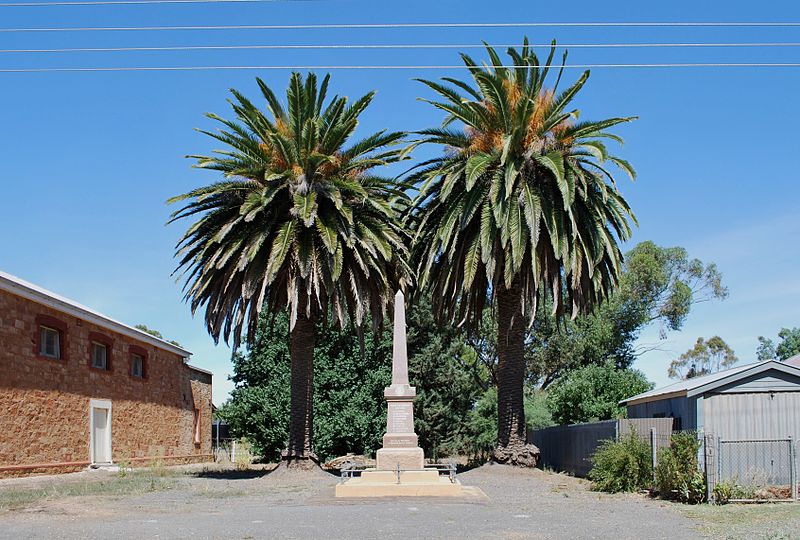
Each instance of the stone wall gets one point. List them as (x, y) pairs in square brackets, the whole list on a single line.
[(44, 403)]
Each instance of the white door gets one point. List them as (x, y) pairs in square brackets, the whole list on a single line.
[(101, 435)]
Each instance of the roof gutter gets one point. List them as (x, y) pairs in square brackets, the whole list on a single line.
[(657, 397)]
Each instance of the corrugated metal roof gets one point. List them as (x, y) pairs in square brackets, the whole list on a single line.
[(682, 387), (22, 288)]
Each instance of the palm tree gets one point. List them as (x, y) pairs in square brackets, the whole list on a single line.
[(299, 222), (518, 209)]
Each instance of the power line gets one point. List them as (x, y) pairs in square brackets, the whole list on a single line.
[(395, 46), (388, 67), (135, 2), (407, 25)]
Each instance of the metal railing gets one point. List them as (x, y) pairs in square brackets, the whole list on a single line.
[(352, 469)]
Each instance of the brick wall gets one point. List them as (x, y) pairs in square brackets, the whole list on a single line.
[(44, 403)]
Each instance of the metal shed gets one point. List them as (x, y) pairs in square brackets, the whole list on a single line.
[(754, 401)]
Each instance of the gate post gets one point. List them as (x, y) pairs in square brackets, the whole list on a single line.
[(653, 449), (792, 467)]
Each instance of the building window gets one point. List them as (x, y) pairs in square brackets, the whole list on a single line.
[(100, 348), (99, 355), (197, 426), (49, 342), (137, 365), (50, 338)]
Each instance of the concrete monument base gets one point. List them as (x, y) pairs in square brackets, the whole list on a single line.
[(388, 459), (424, 483)]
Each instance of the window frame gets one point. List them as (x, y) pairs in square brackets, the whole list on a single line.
[(43, 330), (134, 350), (63, 344), (108, 343)]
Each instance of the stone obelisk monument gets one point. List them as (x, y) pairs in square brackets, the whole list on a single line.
[(400, 448), (400, 465)]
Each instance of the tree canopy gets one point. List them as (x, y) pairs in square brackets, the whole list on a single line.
[(788, 346), (593, 392), (705, 357)]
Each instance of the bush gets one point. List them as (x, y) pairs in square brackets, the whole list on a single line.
[(592, 393), (678, 474), (623, 465), (723, 491), (481, 436)]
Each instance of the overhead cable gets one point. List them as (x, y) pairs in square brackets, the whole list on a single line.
[(389, 67), (394, 46), (134, 2), (784, 24)]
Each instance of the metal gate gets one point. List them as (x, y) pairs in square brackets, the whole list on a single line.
[(759, 464)]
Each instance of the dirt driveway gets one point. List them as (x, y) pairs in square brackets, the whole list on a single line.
[(519, 504)]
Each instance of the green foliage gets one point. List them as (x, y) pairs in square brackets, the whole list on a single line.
[(704, 358), (482, 421), (663, 283), (348, 391), (678, 475), (521, 190), (350, 411), (448, 380), (298, 218), (622, 466), (258, 408), (593, 393), (789, 345), (658, 285), (724, 491)]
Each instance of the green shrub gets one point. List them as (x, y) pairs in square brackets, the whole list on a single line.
[(678, 475), (723, 491), (623, 465)]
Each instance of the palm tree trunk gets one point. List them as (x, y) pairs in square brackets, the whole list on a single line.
[(512, 447), (300, 451)]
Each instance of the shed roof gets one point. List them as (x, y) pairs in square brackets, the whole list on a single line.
[(20, 287), (699, 385)]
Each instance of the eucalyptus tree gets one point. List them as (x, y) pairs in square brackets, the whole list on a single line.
[(299, 222), (519, 208)]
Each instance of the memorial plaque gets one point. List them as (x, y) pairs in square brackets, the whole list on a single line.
[(400, 418)]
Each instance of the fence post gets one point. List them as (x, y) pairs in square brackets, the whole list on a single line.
[(792, 467), (233, 451), (719, 460), (653, 449), (708, 463)]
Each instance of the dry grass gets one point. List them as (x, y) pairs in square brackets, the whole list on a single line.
[(773, 521), (125, 483)]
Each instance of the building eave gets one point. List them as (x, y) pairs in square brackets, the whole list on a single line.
[(201, 370), (648, 399), (28, 291), (754, 370)]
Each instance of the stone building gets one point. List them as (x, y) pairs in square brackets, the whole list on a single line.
[(79, 389)]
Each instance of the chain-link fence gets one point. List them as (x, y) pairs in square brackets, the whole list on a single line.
[(754, 469), (738, 469), (741, 469)]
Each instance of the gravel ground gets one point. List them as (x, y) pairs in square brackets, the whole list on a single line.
[(288, 504)]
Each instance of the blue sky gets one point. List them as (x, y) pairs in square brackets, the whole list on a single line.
[(89, 158)]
